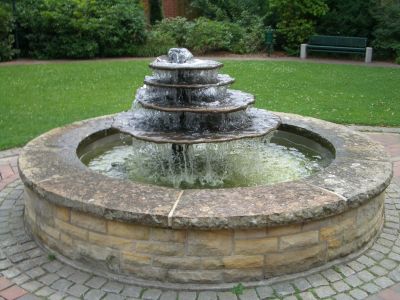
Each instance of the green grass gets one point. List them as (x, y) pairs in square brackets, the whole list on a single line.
[(36, 98)]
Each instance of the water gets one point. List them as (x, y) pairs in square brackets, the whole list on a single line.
[(221, 165)]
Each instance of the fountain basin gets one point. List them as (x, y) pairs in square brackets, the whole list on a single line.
[(205, 235)]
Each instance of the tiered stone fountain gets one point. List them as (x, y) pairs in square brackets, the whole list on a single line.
[(158, 235)]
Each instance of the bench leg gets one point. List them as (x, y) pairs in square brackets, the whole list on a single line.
[(368, 55), (303, 51)]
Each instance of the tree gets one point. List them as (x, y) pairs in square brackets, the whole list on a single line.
[(296, 20)]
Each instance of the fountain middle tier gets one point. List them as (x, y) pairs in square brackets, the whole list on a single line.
[(194, 128), (233, 101)]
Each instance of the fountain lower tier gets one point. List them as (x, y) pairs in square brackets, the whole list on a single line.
[(186, 128), (158, 236)]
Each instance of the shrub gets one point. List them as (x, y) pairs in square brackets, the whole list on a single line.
[(80, 28), (6, 37), (178, 28), (158, 43), (207, 35)]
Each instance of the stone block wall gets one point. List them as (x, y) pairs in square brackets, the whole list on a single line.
[(200, 256)]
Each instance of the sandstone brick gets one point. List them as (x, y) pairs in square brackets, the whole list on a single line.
[(160, 248), (302, 258), (185, 262), (243, 261), (63, 213), (298, 240), (146, 272), (89, 251), (51, 231), (168, 235), (111, 241), (243, 275), (200, 276), (209, 243), (136, 258), (211, 263), (72, 230), (283, 230), (256, 246), (241, 234), (129, 231), (66, 239), (87, 221)]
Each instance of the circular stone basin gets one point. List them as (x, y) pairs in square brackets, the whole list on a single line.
[(161, 235)]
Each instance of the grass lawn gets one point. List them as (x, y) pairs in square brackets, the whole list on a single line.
[(36, 98)]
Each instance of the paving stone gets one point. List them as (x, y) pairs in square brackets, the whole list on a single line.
[(249, 294), (385, 242), (317, 280), (290, 298), (113, 287), (94, 295), (21, 279), (187, 295), (365, 260), (169, 295), (307, 296), (111, 296), (11, 272), (66, 271), (62, 284), (388, 264), (79, 277), (226, 296), (383, 282), (5, 264), (207, 295), (301, 284), (152, 294), (353, 281), (341, 286), (29, 297), (358, 294), (283, 289), (71, 298), (343, 297), (132, 291), (31, 286), (48, 279), (371, 288), (365, 276), (331, 275), (77, 290), (344, 270), (375, 255), (356, 266), (265, 291), (44, 291), (378, 270), (35, 272), (53, 266), (16, 258), (96, 282), (324, 291), (395, 274)]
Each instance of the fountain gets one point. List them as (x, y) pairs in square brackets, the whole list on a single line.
[(193, 185)]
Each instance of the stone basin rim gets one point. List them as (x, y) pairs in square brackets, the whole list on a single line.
[(50, 167)]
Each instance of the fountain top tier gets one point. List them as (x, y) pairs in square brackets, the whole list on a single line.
[(186, 101)]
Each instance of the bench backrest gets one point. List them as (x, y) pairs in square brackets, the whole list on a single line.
[(339, 41)]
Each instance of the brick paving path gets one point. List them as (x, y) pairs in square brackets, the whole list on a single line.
[(29, 272)]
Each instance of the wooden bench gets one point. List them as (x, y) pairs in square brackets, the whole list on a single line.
[(337, 44)]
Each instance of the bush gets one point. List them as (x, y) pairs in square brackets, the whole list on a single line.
[(178, 28), (6, 37), (207, 35), (80, 28), (158, 43)]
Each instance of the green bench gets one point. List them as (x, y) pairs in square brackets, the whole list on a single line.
[(337, 44)]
